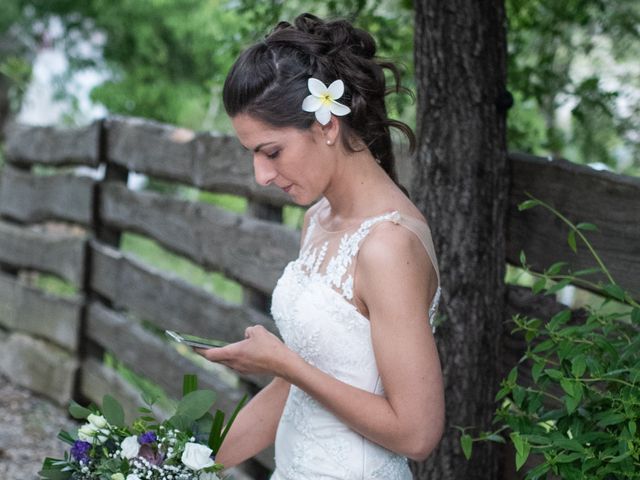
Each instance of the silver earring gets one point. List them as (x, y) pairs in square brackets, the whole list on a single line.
[(328, 142)]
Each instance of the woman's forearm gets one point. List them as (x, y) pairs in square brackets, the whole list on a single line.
[(255, 426)]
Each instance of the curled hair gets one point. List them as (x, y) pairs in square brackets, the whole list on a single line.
[(269, 82)]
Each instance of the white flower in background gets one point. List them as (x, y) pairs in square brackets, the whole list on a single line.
[(133, 476), (208, 476), (117, 476), (130, 448), (196, 456), (322, 100), (87, 433), (97, 421)]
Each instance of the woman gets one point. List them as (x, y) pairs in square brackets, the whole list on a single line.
[(358, 385)]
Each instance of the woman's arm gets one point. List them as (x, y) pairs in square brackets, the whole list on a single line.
[(255, 426)]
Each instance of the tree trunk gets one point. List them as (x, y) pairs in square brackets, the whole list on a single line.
[(460, 183)]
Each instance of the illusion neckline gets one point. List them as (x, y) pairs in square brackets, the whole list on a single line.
[(355, 225)]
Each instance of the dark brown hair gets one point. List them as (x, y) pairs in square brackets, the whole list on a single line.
[(269, 81)]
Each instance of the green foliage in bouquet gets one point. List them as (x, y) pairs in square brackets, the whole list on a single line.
[(580, 412), (182, 447)]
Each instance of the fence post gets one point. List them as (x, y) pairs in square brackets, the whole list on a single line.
[(106, 235)]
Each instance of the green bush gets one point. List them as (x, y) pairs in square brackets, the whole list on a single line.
[(579, 414)]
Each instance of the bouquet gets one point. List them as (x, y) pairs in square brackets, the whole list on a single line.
[(180, 448)]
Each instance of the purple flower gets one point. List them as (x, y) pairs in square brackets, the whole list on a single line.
[(147, 437), (151, 455), (80, 450)]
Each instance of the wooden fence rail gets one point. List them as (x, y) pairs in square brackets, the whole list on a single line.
[(57, 221)]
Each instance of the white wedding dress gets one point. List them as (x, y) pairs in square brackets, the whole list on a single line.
[(314, 311)]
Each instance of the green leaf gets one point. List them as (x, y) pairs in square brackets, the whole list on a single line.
[(539, 285), (494, 437), (614, 291), (558, 286), (578, 365), (632, 427), (180, 422), (113, 411), (559, 318), (195, 404), (635, 315), (554, 373), (66, 437), (189, 384), (77, 411), (571, 403), (522, 449), (513, 376), (149, 398), (611, 418), (571, 240), (536, 370), (568, 457), (52, 469), (528, 204), (567, 386), (467, 445), (586, 226), (544, 346), (620, 458), (586, 271), (503, 392), (523, 258), (215, 435), (555, 268)]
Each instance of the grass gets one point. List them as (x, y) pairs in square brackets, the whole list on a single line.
[(152, 253)]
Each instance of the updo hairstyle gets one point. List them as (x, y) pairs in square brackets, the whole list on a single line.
[(269, 82)]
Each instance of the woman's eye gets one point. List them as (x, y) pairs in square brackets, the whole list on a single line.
[(273, 155)]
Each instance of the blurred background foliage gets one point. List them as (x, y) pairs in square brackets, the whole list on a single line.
[(572, 65)]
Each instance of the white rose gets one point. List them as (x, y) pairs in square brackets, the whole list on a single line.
[(133, 476), (97, 421), (87, 432), (130, 448), (208, 476), (196, 456), (117, 476)]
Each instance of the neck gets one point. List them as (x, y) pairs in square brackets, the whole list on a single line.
[(359, 182)]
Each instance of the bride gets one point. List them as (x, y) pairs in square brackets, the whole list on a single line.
[(357, 383)]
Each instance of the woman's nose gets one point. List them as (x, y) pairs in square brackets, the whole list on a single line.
[(263, 170)]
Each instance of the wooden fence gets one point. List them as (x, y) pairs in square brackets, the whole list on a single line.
[(59, 222)]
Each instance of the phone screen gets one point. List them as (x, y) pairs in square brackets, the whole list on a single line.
[(195, 341)]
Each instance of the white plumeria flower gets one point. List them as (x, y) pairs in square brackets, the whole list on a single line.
[(322, 100)]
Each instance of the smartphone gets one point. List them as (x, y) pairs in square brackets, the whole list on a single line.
[(194, 341)]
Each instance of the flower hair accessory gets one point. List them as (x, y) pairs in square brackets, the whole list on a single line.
[(322, 100)]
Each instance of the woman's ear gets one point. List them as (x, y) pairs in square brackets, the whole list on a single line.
[(331, 131)]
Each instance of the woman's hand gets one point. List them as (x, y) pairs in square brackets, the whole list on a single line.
[(260, 352)]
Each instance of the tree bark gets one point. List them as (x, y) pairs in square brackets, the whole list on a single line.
[(460, 183)]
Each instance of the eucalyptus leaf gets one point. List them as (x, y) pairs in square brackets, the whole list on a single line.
[(77, 411), (113, 411), (195, 404)]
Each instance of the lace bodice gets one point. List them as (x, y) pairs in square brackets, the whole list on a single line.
[(314, 309)]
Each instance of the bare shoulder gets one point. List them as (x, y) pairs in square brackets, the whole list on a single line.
[(389, 243), (394, 267)]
